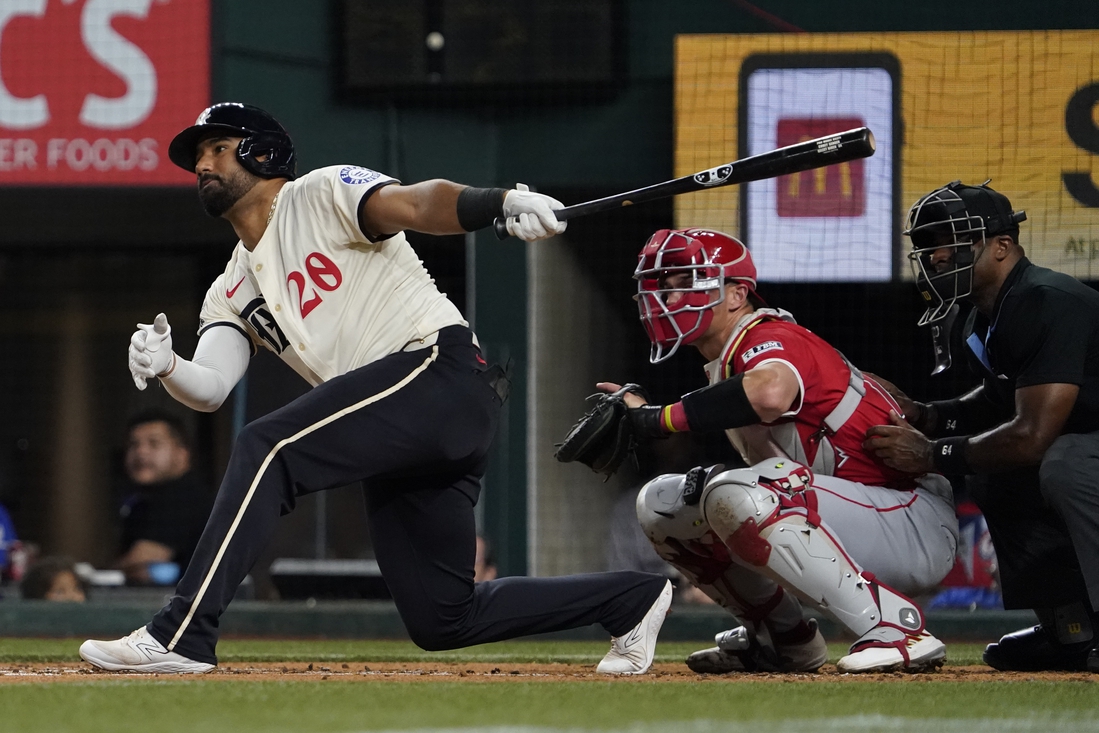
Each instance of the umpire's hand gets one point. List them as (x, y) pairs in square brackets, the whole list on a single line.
[(151, 351), (914, 412), (900, 446)]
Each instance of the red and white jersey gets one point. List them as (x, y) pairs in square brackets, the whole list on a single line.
[(316, 290), (826, 380)]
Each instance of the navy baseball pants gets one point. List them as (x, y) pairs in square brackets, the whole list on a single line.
[(1044, 522), (415, 427)]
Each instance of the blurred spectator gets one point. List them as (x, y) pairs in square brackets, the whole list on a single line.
[(973, 583), (167, 505), (484, 566), (53, 579), (8, 542)]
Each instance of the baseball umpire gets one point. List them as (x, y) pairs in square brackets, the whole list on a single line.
[(1028, 437), (815, 516), (402, 400)]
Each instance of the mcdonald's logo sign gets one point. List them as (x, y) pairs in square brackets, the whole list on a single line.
[(835, 191)]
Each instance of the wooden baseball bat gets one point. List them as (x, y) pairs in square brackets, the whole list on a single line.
[(840, 147)]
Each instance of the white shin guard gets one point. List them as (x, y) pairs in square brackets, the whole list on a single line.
[(766, 515)]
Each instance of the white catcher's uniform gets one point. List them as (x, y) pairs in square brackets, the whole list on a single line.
[(899, 527)]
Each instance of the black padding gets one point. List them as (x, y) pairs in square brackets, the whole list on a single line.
[(719, 406)]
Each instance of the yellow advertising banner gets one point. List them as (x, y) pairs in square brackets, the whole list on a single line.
[(1019, 108)]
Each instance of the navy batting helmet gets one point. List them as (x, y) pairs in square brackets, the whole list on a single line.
[(263, 136)]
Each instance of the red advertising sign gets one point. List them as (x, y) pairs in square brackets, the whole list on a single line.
[(92, 91), (838, 190)]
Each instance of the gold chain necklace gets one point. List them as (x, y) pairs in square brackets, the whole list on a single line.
[(274, 201)]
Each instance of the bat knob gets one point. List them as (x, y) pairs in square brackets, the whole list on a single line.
[(500, 227)]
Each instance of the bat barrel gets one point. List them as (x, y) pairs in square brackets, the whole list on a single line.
[(839, 147)]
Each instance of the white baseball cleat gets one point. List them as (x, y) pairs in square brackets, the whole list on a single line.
[(885, 649), (632, 653), (739, 650), (139, 652)]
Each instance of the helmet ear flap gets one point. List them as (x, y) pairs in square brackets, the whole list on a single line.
[(276, 151), (262, 138)]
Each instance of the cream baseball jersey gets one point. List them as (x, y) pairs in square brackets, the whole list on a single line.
[(317, 291), (823, 377)]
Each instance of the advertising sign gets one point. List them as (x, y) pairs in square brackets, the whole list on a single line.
[(1019, 108), (92, 91), (841, 217)]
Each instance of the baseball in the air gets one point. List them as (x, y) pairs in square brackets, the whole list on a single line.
[(435, 41)]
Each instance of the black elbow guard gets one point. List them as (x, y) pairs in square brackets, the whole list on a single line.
[(719, 406)]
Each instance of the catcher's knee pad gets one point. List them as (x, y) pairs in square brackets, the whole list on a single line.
[(663, 513), (738, 501)]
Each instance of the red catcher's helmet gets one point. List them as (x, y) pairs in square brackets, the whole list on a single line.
[(711, 258)]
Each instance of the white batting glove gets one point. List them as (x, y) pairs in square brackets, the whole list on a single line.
[(151, 352), (530, 215)]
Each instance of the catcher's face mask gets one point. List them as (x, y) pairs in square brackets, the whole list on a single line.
[(681, 276)]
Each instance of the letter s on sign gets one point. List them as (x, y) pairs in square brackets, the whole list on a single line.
[(1082, 130), (16, 113), (123, 58)]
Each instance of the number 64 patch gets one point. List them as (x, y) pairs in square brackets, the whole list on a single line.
[(758, 349)]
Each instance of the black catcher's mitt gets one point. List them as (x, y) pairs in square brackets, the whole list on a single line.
[(602, 438)]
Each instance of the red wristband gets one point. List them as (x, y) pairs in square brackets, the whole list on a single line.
[(673, 418)]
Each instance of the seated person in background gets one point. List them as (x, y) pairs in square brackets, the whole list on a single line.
[(53, 579), (167, 506)]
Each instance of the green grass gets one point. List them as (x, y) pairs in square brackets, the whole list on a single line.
[(126, 705), (645, 705), (350, 650)]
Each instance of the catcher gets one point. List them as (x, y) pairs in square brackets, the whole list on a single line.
[(815, 518)]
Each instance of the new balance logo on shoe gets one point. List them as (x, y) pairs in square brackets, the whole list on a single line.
[(149, 650)]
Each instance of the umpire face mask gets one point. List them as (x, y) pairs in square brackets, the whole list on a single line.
[(944, 274), (943, 233), (946, 228)]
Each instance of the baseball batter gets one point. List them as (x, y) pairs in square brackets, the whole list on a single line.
[(402, 401), (816, 517)]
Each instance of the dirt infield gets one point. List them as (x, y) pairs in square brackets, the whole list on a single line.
[(489, 673)]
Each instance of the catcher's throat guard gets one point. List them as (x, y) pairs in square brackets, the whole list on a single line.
[(940, 340)]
